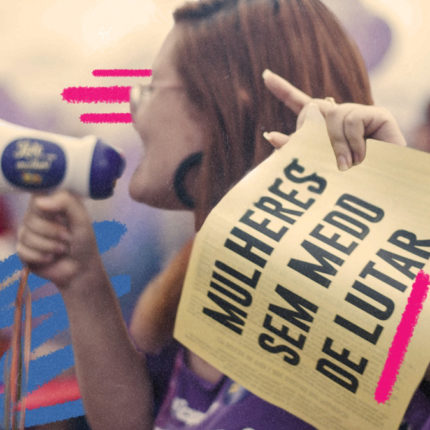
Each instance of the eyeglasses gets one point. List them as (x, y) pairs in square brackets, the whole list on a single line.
[(140, 94)]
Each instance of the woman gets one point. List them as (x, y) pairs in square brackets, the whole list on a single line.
[(202, 120)]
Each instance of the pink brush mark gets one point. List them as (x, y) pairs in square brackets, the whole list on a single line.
[(96, 94), (123, 72), (112, 118), (57, 391), (401, 339)]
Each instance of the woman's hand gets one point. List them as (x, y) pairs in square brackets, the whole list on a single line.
[(56, 239), (57, 242), (348, 124)]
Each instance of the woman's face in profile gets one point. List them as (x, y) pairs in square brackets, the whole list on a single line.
[(170, 131)]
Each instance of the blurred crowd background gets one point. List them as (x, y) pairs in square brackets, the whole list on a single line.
[(47, 45)]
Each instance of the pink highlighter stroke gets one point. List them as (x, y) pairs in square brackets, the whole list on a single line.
[(401, 339), (112, 94)]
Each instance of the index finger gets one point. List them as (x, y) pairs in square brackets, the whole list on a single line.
[(290, 95)]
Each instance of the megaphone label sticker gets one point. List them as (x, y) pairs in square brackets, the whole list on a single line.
[(33, 163)]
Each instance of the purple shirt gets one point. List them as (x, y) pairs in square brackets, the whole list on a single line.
[(192, 403)]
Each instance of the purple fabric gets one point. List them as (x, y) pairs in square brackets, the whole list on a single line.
[(418, 412), (195, 404), (160, 368), (192, 403)]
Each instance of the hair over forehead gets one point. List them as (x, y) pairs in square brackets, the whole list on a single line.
[(203, 8), (224, 47)]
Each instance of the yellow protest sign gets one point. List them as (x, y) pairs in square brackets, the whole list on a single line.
[(299, 278)]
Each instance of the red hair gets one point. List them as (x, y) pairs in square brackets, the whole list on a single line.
[(225, 47)]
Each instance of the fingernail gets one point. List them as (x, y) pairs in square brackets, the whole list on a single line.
[(266, 73), (356, 159), (342, 163), (266, 135)]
